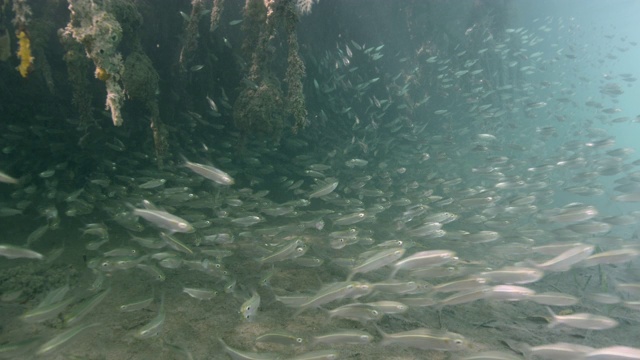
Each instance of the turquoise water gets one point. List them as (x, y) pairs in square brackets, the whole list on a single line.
[(459, 180)]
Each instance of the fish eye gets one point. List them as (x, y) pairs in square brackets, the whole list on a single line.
[(299, 340), (458, 341), (104, 264)]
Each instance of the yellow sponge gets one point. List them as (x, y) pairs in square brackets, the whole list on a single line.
[(24, 53)]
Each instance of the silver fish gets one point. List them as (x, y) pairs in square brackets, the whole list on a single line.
[(324, 190), (135, 306), (154, 326), (238, 354), (46, 311), (7, 179), (16, 252), (564, 261), (582, 321), (281, 337), (376, 261), (164, 220), (210, 172), (513, 275), (200, 294), (250, 307), (554, 299), (79, 311), (426, 339), (424, 259), (344, 337), (62, 338), (559, 350), (350, 219), (613, 352)]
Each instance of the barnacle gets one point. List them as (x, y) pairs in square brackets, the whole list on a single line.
[(102, 74)]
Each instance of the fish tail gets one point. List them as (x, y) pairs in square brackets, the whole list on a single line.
[(553, 322), (385, 336)]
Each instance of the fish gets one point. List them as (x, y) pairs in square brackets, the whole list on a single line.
[(155, 272), (18, 349), (327, 294), (344, 337), (617, 256), (425, 339), (247, 221), (564, 261), (210, 172), (165, 220), (356, 311), (376, 261), (282, 338), (424, 259), (152, 184), (554, 299), (293, 249), (350, 219), (63, 338), (45, 310), (184, 16), (136, 305), (153, 327), (492, 355), (245, 355), (16, 252), (249, 308), (317, 355), (212, 105), (323, 190), (613, 353), (80, 310), (512, 275), (200, 294), (396, 286), (356, 163), (465, 296), (388, 306), (7, 179), (560, 350), (175, 243), (510, 293), (582, 321)]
